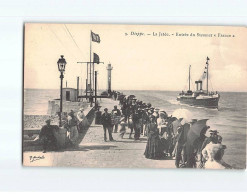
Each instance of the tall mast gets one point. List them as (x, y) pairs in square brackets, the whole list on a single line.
[(90, 81), (189, 77), (207, 73)]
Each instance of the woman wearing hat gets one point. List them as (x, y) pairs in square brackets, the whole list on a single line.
[(83, 122), (213, 153), (163, 131), (116, 114), (153, 147), (72, 125)]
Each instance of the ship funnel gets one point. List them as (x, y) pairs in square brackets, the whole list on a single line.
[(200, 82), (196, 82)]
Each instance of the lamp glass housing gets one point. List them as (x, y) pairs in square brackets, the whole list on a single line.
[(61, 64)]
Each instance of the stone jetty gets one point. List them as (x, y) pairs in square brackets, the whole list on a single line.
[(94, 152)]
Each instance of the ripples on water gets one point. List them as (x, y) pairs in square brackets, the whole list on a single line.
[(229, 119)]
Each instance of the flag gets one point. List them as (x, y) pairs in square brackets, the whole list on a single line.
[(95, 37), (208, 58), (95, 58)]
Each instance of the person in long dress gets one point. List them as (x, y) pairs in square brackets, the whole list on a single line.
[(153, 147), (72, 126), (213, 153), (116, 114), (82, 119), (162, 127)]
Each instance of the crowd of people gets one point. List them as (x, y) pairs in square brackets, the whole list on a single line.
[(164, 140), (73, 123)]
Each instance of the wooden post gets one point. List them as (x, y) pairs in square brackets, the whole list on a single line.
[(86, 88), (61, 100), (95, 89), (77, 87)]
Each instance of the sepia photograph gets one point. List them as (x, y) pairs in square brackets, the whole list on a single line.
[(134, 96)]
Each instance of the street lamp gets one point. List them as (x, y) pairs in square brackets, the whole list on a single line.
[(61, 63)]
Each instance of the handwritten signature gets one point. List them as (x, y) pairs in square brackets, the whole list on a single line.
[(35, 158)]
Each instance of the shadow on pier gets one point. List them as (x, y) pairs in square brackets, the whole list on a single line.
[(37, 146), (88, 148)]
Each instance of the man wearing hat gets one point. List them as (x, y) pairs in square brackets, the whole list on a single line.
[(116, 116), (213, 138), (137, 123), (47, 137), (107, 124), (151, 110)]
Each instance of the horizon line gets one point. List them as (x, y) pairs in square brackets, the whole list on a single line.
[(137, 90)]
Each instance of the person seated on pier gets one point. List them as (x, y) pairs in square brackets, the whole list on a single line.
[(72, 127), (82, 120), (213, 153), (116, 117), (106, 121), (47, 137)]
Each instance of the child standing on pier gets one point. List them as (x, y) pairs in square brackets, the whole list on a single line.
[(123, 125)]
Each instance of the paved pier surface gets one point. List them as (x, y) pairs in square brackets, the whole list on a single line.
[(94, 152)]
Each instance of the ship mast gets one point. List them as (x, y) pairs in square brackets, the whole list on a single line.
[(207, 73), (189, 77)]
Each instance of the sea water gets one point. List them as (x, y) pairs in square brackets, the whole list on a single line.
[(229, 120)]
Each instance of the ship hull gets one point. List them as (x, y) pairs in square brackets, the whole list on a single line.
[(193, 101)]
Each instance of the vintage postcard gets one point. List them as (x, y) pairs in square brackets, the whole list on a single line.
[(134, 96)]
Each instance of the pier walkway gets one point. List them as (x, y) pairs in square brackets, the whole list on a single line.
[(94, 152)]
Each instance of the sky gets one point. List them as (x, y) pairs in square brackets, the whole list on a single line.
[(144, 62)]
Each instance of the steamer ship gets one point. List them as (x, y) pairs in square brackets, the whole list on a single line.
[(200, 97)]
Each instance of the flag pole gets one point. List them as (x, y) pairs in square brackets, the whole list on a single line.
[(93, 74), (90, 60)]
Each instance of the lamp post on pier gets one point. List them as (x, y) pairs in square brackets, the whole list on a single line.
[(61, 63)]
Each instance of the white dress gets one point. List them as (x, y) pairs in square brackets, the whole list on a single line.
[(209, 153), (82, 119)]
